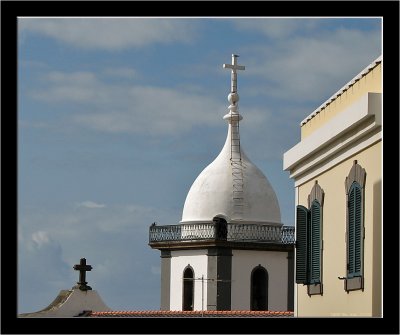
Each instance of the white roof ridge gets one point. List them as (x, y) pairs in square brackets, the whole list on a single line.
[(343, 89)]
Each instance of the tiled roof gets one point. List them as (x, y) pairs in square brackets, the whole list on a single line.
[(193, 314), (364, 72)]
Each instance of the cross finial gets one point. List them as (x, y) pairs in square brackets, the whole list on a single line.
[(82, 268), (234, 67)]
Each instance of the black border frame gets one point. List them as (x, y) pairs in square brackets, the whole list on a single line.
[(10, 324)]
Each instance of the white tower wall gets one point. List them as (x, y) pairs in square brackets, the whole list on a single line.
[(276, 264), (232, 188), (197, 259)]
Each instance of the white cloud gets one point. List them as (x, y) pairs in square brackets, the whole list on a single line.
[(162, 111), (78, 87), (308, 67), (115, 107), (114, 242), (40, 238), (91, 204), (61, 224), (82, 77), (275, 27), (110, 33), (42, 269), (122, 72), (155, 110)]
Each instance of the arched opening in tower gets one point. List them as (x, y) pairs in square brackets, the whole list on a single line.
[(259, 289), (188, 289), (221, 228)]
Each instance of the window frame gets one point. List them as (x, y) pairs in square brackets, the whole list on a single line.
[(188, 267), (312, 244), (263, 269), (315, 239), (355, 181), (302, 237)]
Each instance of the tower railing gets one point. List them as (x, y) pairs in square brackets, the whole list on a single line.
[(250, 232)]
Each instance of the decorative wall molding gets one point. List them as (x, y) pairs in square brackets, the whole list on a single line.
[(356, 174), (317, 193)]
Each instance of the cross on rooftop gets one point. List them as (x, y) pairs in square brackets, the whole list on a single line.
[(82, 268), (234, 67)]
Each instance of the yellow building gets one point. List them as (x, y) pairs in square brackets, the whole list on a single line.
[(337, 170)]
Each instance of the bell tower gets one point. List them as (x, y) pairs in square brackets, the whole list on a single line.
[(230, 251)]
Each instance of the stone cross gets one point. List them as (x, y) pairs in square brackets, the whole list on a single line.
[(82, 268), (234, 67)]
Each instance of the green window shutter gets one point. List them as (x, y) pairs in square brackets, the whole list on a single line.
[(350, 242), (354, 233), (315, 243), (302, 218), (357, 231)]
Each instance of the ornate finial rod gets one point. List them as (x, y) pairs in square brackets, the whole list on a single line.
[(233, 96)]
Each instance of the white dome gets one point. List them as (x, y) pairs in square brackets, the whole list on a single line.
[(212, 193)]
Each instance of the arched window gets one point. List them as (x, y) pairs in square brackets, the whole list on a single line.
[(355, 184), (259, 289), (188, 289)]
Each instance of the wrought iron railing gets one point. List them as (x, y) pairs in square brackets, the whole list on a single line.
[(288, 235), (230, 232)]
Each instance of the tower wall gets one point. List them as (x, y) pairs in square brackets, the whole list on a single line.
[(197, 259), (243, 263)]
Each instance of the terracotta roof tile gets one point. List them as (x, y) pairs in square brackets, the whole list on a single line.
[(133, 314)]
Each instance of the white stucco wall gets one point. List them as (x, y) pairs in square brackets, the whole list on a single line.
[(275, 262), (197, 259)]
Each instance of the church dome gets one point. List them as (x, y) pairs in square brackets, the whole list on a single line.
[(232, 187), (212, 193)]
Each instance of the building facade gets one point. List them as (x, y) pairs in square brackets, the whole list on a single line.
[(337, 171)]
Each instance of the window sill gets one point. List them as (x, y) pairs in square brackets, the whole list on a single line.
[(353, 284), (314, 289)]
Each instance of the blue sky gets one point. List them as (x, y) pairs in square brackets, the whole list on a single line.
[(117, 117)]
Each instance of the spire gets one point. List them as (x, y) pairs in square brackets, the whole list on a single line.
[(231, 185), (233, 96), (233, 117)]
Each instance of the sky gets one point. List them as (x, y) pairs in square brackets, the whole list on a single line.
[(118, 116)]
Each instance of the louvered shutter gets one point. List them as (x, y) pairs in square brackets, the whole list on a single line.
[(315, 243), (355, 229), (302, 218), (350, 261)]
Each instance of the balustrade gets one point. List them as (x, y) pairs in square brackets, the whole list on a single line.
[(235, 232)]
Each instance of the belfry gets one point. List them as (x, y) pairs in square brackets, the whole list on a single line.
[(230, 251)]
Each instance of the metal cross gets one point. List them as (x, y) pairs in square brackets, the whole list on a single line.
[(82, 268), (234, 67)]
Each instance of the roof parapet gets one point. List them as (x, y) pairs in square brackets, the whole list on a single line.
[(363, 73)]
